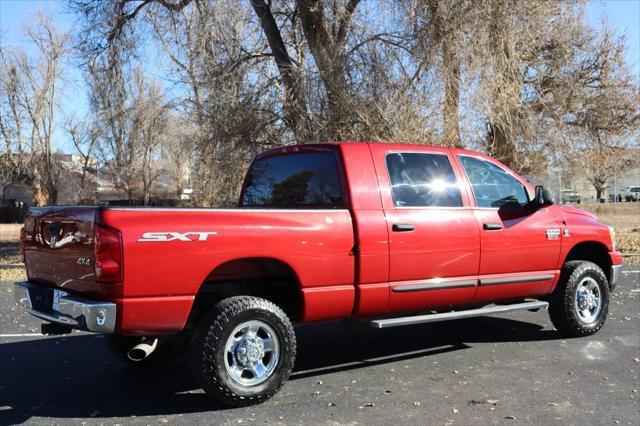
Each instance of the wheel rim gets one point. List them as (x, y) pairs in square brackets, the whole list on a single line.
[(588, 300), (251, 353)]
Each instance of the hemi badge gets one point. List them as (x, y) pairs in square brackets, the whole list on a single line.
[(553, 234)]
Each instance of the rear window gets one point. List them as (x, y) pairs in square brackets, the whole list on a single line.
[(306, 179)]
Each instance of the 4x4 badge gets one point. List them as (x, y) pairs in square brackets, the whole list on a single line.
[(85, 261)]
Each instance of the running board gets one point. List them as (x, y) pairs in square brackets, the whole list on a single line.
[(469, 313)]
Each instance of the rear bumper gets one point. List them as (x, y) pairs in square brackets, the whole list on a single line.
[(65, 309)]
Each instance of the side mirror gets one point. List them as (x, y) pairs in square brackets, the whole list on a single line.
[(543, 197), (539, 195)]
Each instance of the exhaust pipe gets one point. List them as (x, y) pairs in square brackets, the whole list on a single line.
[(142, 349)]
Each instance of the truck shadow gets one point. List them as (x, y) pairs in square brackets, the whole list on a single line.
[(75, 377)]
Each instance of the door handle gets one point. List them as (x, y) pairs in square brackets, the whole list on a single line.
[(402, 227), (491, 226)]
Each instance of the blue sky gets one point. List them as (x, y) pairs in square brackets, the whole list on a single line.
[(624, 18), (622, 15)]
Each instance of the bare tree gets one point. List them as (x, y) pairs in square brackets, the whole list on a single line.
[(30, 88), (84, 136), (13, 120), (110, 104), (177, 152), (231, 99), (503, 76), (440, 39), (606, 115), (150, 115)]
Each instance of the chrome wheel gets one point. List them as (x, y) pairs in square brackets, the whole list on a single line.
[(251, 353), (588, 301)]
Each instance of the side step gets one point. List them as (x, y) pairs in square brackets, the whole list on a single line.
[(487, 310)]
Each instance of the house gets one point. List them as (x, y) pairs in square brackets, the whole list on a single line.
[(84, 182)]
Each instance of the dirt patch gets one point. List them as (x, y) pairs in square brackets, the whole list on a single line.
[(625, 218), (12, 274), (10, 232), (10, 253)]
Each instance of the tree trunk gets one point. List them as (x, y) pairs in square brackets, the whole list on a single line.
[(328, 52), (295, 105), (451, 104), (500, 136), (500, 145)]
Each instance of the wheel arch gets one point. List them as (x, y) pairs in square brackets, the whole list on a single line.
[(264, 277), (591, 251)]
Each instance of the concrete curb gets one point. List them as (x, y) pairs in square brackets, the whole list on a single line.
[(11, 265)]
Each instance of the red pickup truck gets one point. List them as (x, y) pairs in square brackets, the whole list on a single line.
[(390, 234)]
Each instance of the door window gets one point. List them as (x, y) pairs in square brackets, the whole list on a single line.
[(493, 186), (422, 180)]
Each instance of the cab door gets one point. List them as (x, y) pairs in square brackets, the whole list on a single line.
[(434, 239), (520, 244)]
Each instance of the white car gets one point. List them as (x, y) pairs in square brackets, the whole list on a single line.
[(631, 193), (570, 196)]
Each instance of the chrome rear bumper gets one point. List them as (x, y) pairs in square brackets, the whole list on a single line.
[(65, 309)]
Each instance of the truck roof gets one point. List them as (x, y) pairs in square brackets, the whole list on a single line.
[(386, 144)]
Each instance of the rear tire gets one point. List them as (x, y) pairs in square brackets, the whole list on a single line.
[(580, 303), (243, 351)]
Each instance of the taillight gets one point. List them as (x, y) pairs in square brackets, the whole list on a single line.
[(108, 255), (23, 240)]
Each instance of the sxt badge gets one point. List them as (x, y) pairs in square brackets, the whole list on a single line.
[(159, 237)]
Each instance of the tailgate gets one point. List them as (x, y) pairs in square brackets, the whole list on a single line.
[(59, 246)]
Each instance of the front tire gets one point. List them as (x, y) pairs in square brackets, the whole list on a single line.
[(243, 350), (580, 303)]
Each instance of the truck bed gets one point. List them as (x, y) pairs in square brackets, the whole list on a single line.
[(169, 253)]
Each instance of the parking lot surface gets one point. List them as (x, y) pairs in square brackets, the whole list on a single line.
[(510, 369)]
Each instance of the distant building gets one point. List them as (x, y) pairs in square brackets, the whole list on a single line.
[(99, 187)]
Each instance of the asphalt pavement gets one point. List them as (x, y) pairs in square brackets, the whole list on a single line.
[(510, 369)]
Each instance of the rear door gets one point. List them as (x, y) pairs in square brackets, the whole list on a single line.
[(434, 245), (520, 245)]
